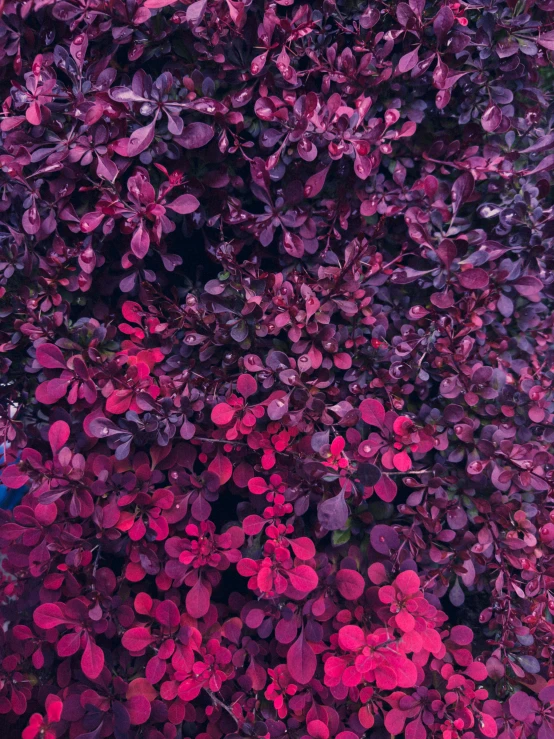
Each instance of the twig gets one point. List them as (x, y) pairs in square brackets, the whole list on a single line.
[(218, 702), (96, 560)]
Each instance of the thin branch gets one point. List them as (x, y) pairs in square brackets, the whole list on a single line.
[(96, 560), (218, 702)]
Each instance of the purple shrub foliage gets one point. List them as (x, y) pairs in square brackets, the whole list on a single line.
[(277, 365)]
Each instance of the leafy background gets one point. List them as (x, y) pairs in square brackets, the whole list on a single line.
[(276, 350)]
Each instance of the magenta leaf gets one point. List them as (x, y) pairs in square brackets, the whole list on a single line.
[(13, 478), (92, 661), (58, 434), (350, 584), (137, 639), (69, 644), (50, 356), (546, 40), (474, 279), (184, 204), (303, 578), (198, 600), (196, 135), (303, 547), (462, 635), (520, 705), (372, 412), (167, 614), (301, 661), (139, 709), (462, 189), (314, 184), (140, 139), (443, 22), (48, 616), (491, 118), (222, 414)]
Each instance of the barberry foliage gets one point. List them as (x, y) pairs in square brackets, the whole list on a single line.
[(277, 367)]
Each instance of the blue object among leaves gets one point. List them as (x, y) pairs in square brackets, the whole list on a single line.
[(9, 498)]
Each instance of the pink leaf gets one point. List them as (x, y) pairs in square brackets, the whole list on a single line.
[(51, 391), (476, 671), (386, 489), (168, 614), (90, 221), (474, 279), (141, 139), (350, 584), (69, 644), (92, 661), (221, 467), (394, 721), (198, 600), (253, 524), (491, 118), (139, 709), (137, 639), (54, 707), (301, 661), (195, 12), (342, 360), (405, 621), (141, 686), (443, 22), (547, 40), (318, 729), (50, 356), (488, 726), (314, 184), (372, 412), (155, 670), (407, 582), (222, 414), (351, 638), (48, 616), (257, 485), (196, 134), (520, 705), (184, 204), (246, 386), (462, 635), (58, 434), (303, 547), (415, 730), (13, 478), (402, 462), (303, 578)]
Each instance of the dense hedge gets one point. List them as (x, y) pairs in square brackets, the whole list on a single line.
[(277, 355)]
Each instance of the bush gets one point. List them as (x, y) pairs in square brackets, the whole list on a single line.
[(277, 340)]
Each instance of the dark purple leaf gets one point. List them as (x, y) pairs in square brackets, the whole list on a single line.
[(333, 512)]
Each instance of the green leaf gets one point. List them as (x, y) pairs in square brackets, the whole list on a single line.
[(340, 537)]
